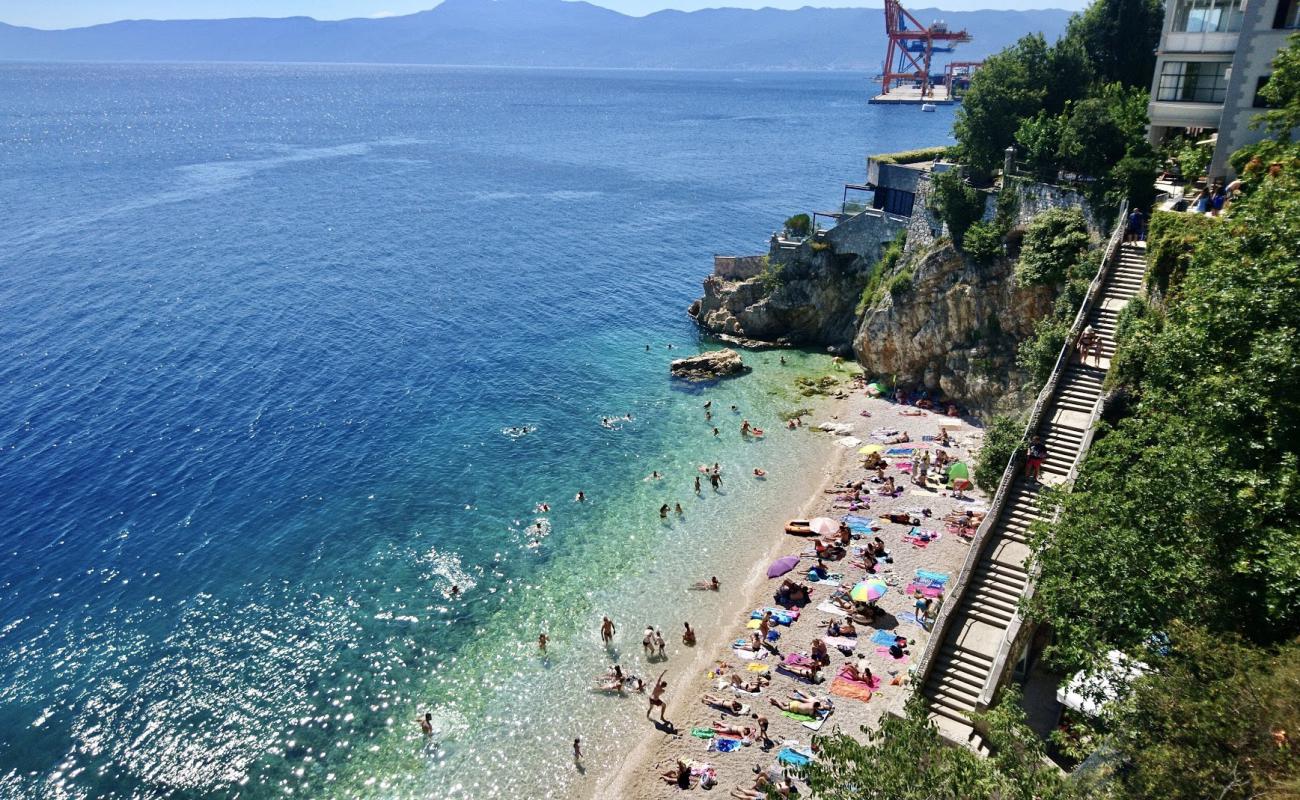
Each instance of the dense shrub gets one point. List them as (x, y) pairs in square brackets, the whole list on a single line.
[(983, 242), (1170, 241), (798, 225), (880, 271), (957, 203), (900, 284), (1054, 244), (1037, 354), (1002, 438)]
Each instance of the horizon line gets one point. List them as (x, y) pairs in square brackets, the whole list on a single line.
[(868, 5)]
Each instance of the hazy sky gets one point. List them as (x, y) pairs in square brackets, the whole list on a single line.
[(74, 13)]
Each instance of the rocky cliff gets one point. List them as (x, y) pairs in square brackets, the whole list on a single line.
[(934, 318), (953, 328), (803, 293)]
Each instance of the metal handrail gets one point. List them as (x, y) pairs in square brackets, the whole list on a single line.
[(939, 630)]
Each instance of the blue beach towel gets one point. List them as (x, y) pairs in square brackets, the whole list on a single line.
[(935, 578), (900, 451), (884, 637), (725, 745), (792, 757)]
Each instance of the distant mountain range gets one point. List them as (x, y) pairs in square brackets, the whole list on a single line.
[(551, 33)]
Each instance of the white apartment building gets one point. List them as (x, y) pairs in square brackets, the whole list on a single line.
[(1214, 56)]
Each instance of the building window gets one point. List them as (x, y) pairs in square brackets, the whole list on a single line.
[(1208, 16), (894, 201), (1193, 81), (1288, 14), (1260, 102)]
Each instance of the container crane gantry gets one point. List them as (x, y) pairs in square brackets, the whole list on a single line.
[(913, 47)]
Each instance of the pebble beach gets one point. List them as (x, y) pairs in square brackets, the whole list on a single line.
[(912, 563)]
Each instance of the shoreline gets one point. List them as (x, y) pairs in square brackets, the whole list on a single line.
[(656, 750)]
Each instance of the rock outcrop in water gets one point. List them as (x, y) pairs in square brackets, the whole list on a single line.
[(709, 366)]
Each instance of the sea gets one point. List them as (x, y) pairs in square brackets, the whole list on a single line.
[(287, 352)]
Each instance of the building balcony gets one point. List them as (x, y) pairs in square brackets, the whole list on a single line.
[(1173, 114), (1175, 42)]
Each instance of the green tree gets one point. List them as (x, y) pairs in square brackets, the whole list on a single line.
[(1010, 87), (905, 759), (1204, 721), (1091, 138), (1038, 140), (1120, 38)]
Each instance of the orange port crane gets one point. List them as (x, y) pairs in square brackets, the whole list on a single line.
[(908, 56)]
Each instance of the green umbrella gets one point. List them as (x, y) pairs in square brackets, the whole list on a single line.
[(959, 476)]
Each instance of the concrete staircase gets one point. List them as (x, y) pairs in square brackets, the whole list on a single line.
[(962, 670)]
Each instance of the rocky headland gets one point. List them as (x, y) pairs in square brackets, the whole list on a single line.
[(891, 290)]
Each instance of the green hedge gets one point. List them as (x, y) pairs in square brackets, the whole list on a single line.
[(911, 156)]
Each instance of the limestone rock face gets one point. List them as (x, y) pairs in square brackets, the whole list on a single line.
[(812, 303), (709, 366), (955, 331)]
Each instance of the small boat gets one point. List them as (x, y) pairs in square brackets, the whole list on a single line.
[(928, 106), (798, 527)]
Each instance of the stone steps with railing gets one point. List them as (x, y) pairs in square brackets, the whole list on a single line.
[(978, 634)]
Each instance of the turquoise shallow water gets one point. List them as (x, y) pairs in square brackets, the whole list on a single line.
[(263, 328)]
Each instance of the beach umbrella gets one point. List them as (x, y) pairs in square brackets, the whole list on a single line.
[(871, 448), (869, 591), (824, 526), (959, 476), (782, 565)]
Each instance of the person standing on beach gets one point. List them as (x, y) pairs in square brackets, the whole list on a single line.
[(657, 698), (660, 644), (607, 631), (762, 731), (577, 741), (697, 484)]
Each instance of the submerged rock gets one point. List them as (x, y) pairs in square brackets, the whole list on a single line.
[(709, 366)]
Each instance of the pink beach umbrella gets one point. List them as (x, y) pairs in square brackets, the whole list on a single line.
[(824, 526), (782, 565)]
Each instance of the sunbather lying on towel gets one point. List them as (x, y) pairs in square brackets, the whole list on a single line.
[(723, 704), (733, 731), (798, 706), (806, 671), (752, 686), (837, 628)]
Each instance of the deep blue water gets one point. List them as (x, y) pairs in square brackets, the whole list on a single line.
[(262, 328)]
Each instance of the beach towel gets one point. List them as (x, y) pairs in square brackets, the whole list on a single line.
[(816, 724), (883, 637), (794, 758), (737, 647), (900, 451), (903, 466), (851, 689), (781, 616), (721, 745), (927, 591), (830, 580), (884, 651), (797, 660), (756, 667), (831, 608), (848, 441), (797, 715), (702, 733), (908, 616), (844, 644), (933, 577)]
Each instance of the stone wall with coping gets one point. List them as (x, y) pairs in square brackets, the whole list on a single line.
[(738, 268), (864, 234)]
